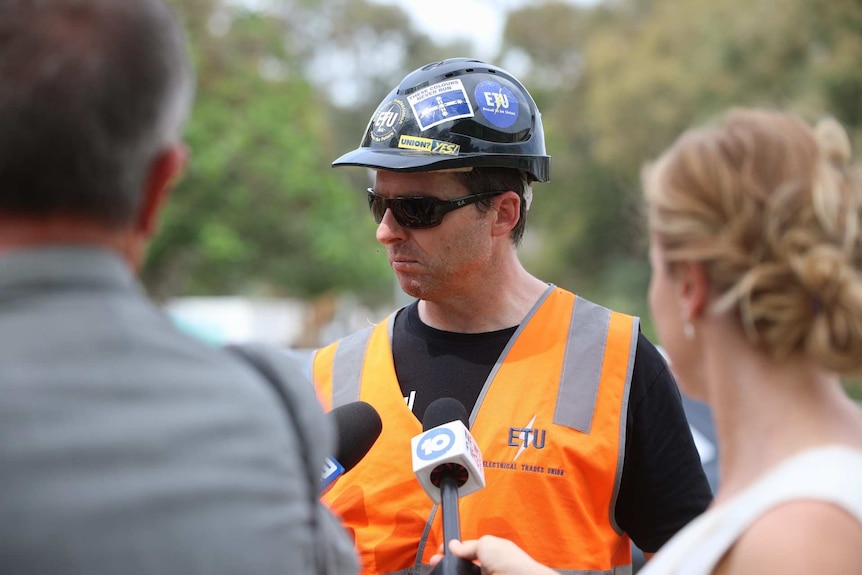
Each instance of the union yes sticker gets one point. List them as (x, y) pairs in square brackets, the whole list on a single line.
[(428, 145)]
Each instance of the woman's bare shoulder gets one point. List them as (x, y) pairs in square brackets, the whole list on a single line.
[(798, 537)]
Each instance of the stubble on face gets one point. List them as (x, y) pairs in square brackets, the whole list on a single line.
[(451, 260), (435, 264)]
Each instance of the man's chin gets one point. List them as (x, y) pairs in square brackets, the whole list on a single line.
[(410, 286)]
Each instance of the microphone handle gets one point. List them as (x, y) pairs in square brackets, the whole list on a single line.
[(449, 503), (451, 565)]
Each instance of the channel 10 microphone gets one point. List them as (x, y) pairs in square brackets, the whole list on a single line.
[(357, 426), (446, 449), (448, 464)]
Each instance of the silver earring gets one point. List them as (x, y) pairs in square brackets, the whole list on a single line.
[(688, 330)]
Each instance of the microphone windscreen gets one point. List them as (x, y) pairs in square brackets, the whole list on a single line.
[(442, 411), (357, 426)]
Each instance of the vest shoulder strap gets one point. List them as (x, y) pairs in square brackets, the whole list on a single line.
[(594, 332)]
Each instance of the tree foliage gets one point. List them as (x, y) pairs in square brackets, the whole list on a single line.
[(646, 70), (259, 210)]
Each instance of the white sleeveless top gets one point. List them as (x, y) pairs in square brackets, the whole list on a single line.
[(832, 474)]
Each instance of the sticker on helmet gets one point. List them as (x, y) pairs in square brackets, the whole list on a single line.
[(497, 103), (388, 119), (428, 145), (440, 102)]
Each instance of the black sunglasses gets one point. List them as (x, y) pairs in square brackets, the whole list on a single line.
[(421, 211)]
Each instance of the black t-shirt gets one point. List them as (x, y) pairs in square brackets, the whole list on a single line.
[(663, 485)]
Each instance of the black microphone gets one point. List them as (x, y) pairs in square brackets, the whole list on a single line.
[(357, 427), (447, 462)]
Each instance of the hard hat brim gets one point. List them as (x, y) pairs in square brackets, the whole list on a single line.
[(409, 161)]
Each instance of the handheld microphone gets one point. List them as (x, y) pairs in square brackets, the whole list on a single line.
[(445, 449), (447, 462), (357, 426)]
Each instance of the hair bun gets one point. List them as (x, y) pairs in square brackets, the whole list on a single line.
[(825, 274), (833, 141)]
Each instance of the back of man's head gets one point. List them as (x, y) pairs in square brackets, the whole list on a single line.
[(91, 91)]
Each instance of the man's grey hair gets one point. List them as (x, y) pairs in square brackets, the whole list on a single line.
[(91, 91)]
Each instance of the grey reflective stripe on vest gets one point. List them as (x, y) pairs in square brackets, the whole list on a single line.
[(348, 362), (347, 367), (418, 566), (621, 570), (582, 365), (621, 453)]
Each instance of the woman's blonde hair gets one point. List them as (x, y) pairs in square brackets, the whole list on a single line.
[(771, 208)]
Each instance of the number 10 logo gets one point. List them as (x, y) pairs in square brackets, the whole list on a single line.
[(434, 443)]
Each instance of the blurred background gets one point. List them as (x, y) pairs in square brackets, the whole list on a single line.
[(264, 240)]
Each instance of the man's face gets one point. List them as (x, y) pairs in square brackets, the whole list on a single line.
[(437, 262)]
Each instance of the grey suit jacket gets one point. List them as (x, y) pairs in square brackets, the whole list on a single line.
[(127, 447)]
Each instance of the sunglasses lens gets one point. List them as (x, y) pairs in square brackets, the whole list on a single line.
[(408, 212), (377, 206), (415, 212)]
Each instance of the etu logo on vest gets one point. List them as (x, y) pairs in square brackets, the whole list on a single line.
[(524, 437)]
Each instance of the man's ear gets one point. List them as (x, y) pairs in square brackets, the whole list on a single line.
[(508, 212), (693, 289), (164, 172)]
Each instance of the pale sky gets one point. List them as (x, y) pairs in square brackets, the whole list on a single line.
[(479, 21)]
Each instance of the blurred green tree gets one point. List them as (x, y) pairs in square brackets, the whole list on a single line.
[(618, 81), (259, 210)]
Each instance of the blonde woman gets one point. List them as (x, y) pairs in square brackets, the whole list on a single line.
[(756, 292)]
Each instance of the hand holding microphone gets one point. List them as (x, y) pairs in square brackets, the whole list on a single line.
[(357, 427), (447, 462), (496, 556)]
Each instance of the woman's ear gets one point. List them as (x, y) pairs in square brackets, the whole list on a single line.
[(693, 286)]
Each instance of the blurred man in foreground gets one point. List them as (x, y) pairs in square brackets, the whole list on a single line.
[(126, 447)]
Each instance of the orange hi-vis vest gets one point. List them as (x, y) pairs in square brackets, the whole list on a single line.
[(550, 423)]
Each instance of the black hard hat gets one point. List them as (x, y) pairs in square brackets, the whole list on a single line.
[(455, 113)]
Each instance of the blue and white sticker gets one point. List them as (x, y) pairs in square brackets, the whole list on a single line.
[(390, 116), (435, 443), (442, 102), (497, 103)]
